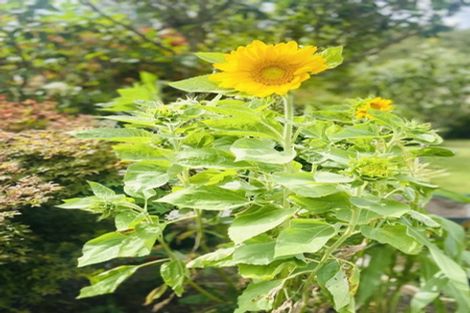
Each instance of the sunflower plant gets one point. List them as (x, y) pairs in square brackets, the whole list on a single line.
[(239, 196)]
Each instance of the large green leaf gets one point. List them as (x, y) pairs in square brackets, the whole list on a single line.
[(330, 177), (257, 150), (104, 193), (383, 207), (107, 282), (302, 184), (173, 274), (142, 178), (206, 198), (117, 134), (259, 296), (87, 204), (144, 152), (255, 253), (332, 278), (212, 259), (256, 221), (449, 267), (323, 204), (243, 127), (208, 158), (303, 236), (116, 244), (198, 84), (395, 235)]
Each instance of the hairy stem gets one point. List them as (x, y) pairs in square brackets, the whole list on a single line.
[(287, 135)]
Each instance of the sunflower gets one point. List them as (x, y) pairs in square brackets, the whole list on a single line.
[(376, 103), (261, 70)]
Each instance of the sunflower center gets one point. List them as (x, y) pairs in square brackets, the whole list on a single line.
[(272, 75), (377, 105)]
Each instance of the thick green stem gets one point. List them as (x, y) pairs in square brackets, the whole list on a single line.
[(287, 135), (288, 122)]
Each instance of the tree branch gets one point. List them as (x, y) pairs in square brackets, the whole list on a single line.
[(125, 26)]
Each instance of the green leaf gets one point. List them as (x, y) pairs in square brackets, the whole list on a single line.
[(257, 150), (423, 218), (107, 282), (255, 252), (449, 267), (302, 184), (323, 204), (264, 272), (206, 198), (103, 192), (371, 276), (333, 279), (144, 152), (208, 158), (212, 259), (434, 151), (198, 84), (256, 221), (211, 57), (243, 127), (388, 208), (117, 134), (303, 236), (461, 296), (329, 177), (115, 244), (428, 293), (394, 235), (142, 178), (86, 204), (454, 242), (259, 296), (365, 216), (454, 196), (333, 56), (135, 120), (173, 274), (123, 220), (353, 132)]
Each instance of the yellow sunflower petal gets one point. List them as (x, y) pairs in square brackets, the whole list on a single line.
[(261, 70)]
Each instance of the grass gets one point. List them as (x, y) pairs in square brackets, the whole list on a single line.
[(458, 167)]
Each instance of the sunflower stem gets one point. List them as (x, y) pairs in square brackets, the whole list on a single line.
[(288, 122), (287, 136)]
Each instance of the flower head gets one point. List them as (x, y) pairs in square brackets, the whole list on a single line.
[(374, 167), (261, 70), (377, 103)]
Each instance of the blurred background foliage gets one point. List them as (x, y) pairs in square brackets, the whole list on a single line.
[(63, 56), (79, 52)]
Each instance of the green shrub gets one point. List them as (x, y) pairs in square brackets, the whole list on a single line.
[(38, 243)]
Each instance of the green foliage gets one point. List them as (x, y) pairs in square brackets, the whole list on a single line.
[(68, 50), (430, 83), (297, 204), (38, 166)]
